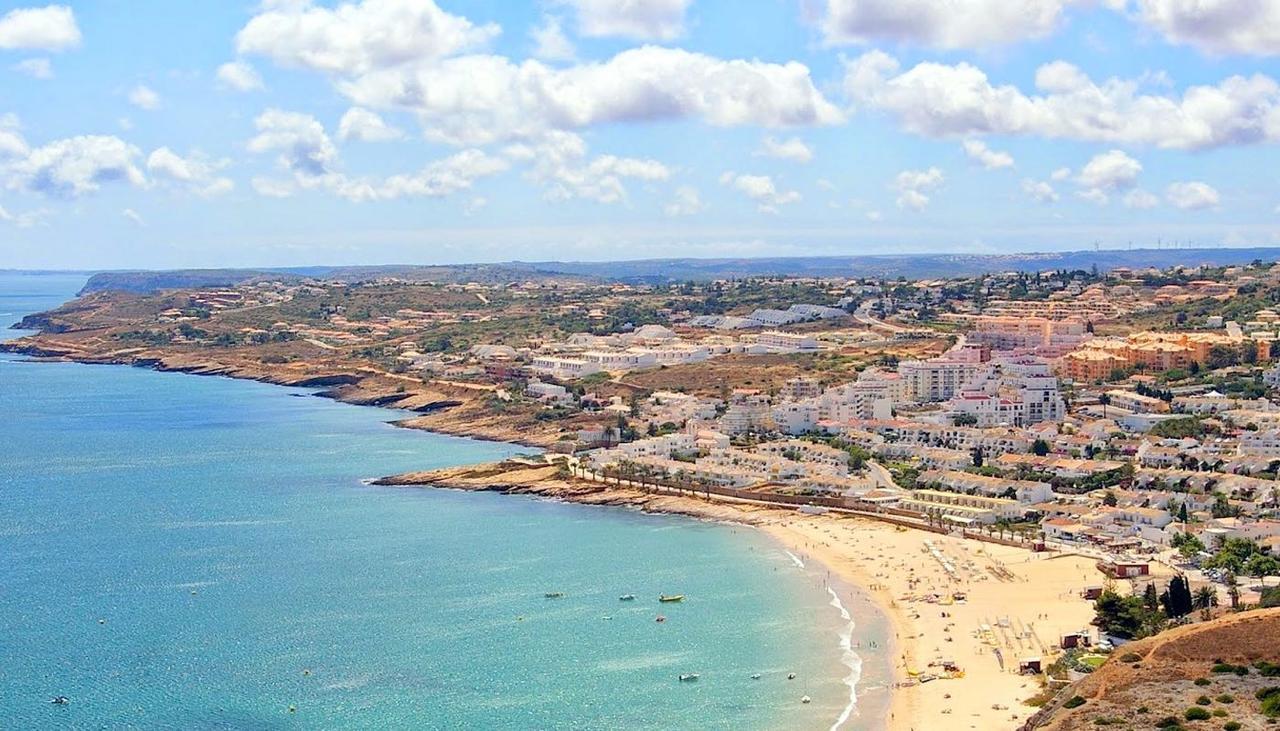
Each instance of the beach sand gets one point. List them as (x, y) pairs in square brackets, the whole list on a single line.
[(1026, 600)]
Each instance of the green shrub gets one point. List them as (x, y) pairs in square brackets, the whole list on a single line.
[(1143, 709), (1204, 700), (1219, 713), (1203, 681), (1270, 701), (1169, 722), (1226, 698), (1131, 657), (1196, 713), (1074, 702), (1231, 726)]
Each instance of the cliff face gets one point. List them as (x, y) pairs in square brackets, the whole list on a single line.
[(1164, 676)]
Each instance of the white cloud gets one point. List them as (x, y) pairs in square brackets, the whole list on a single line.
[(1112, 170), (952, 24), (51, 28), (144, 97), (1140, 199), (403, 54), (304, 147), (356, 38), (1039, 191), (1192, 196), (686, 203), (550, 43), (307, 152), (874, 216), (239, 76), (475, 205), (36, 68), (74, 166), (134, 216), (1097, 196), (364, 125), (761, 189), (939, 100), (455, 173), (1217, 26), (913, 186), (195, 172), (793, 149), (559, 163), (636, 19), (26, 219), (479, 99), (990, 159), (271, 188), (12, 144), (1060, 174)]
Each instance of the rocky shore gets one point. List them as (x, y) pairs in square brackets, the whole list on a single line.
[(442, 408), (517, 478)]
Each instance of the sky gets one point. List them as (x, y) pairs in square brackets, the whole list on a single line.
[(206, 133)]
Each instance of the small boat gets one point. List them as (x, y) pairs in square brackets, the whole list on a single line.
[(791, 676), (755, 676), (60, 700), (660, 618), (671, 597), (627, 598), (554, 594), (805, 699), (689, 677)]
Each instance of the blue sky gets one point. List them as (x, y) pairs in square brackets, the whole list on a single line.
[(225, 133)]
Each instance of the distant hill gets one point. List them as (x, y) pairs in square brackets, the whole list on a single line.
[(658, 271), (912, 266)]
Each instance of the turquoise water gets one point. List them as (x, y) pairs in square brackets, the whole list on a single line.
[(184, 552)]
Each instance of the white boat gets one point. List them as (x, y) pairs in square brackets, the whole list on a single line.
[(689, 677)]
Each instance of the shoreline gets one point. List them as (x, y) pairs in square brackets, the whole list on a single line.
[(833, 542), (343, 387), (912, 578), (870, 704)]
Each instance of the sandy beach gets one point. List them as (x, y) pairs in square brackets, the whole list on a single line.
[(1025, 600)]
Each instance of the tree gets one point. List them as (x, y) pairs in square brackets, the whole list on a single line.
[(1205, 598), (1221, 508), (1150, 599), (1177, 598), (1182, 518), (1260, 565), (1105, 400), (1109, 499), (1039, 447), (1122, 616), (977, 456)]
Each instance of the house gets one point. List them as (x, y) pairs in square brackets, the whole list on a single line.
[(1120, 569)]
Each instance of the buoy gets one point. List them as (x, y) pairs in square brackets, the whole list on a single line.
[(306, 671), (791, 676), (293, 709), (805, 699), (102, 621)]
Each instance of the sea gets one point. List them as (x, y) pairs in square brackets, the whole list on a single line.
[(184, 552)]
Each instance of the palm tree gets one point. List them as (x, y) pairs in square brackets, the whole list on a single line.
[(1205, 599)]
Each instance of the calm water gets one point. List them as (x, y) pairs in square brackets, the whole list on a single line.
[(184, 552)]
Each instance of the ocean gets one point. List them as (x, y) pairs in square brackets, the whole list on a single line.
[(203, 553)]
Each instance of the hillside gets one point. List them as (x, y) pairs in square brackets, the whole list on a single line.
[(1211, 666), (912, 266)]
